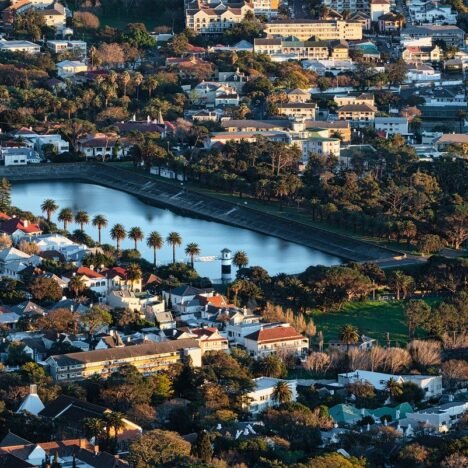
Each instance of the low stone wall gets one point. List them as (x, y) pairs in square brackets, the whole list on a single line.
[(160, 193)]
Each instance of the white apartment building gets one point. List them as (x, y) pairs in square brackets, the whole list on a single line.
[(438, 418), (19, 46), (392, 125), (57, 46)]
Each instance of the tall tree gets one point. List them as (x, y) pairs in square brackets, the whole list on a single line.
[(192, 250), (155, 242), (65, 216), (81, 218), (282, 392), (49, 207), (5, 194), (175, 240), (100, 222), (118, 233), (349, 335), (76, 285), (240, 259), (133, 274), (136, 234)]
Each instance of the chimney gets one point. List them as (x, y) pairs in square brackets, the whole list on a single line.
[(25, 223), (33, 389), (96, 449), (91, 267), (83, 443)]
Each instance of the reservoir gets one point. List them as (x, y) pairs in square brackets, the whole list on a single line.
[(273, 254)]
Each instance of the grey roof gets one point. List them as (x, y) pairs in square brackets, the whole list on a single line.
[(13, 439), (114, 354)]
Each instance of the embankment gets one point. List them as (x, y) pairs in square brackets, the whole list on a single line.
[(160, 193)]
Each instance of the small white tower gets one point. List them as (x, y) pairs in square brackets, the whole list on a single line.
[(226, 264)]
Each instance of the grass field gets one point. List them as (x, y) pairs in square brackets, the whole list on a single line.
[(372, 318)]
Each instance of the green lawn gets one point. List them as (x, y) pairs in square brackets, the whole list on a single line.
[(373, 319)]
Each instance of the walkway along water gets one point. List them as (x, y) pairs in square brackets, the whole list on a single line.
[(160, 193)]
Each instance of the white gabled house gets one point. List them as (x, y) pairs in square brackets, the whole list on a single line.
[(263, 396)]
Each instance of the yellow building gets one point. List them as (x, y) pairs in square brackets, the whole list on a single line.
[(320, 30), (357, 113), (148, 358)]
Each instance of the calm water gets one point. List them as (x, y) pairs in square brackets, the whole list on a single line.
[(271, 253)]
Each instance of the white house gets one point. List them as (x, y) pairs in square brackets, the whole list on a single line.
[(92, 279), (19, 156), (13, 261), (19, 46), (439, 418), (67, 68), (71, 251), (31, 404), (37, 141), (392, 125), (263, 396), (431, 384), (280, 339), (57, 46)]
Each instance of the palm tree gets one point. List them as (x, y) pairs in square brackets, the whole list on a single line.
[(100, 222), (282, 392), (175, 240), (393, 387), (155, 242), (240, 259), (118, 233), (49, 206), (81, 218), (94, 427), (65, 216), (349, 335), (76, 285), (191, 250), (115, 422), (133, 273), (136, 234)]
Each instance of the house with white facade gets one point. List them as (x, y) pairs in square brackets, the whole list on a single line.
[(276, 340), (37, 141), (71, 251), (14, 261), (61, 45), (19, 229), (263, 396), (68, 68), (102, 145), (18, 156), (92, 279), (26, 47), (392, 125), (430, 384)]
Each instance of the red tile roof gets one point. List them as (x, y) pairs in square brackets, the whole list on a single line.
[(115, 271), (275, 334), (85, 271), (4, 216), (14, 224)]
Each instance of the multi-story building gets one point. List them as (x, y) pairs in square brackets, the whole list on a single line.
[(215, 18), (306, 110), (57, 46), (392, 125), (421, 54), (148, 358), (451, 35), (357, 113), (432, 13), (319, 30), (266, 8), (281, 339), (391, 22), (19, 46), (347, 5), (347, 99), (379, 8), (285, 49)]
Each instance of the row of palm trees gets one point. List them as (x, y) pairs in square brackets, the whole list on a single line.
[(118, 232)]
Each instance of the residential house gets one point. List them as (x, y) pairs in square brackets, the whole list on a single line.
[(191, 68), (421, 72), (421, 54), (211, 93), (338, 127), (280, 339), (205, 116), (14, 261), (79, 48), (349, 99), (147, 358), (19, 46), (391, 23), (263, 396), (363, 18), (235, 79), (164, 320), (210, 339), (69, 250), (181, 295), (451, 35), (249, 125), (324, 67), (8, 319), (315, 143), (68, 68), (449, 139), (117, 278), (357, 114), (18, 156), (19, 229), (368, 51), (70, 452), (439, 419), (431, 384), (242, 324), (379, 8), (432, 12), (55, 16), (298, 95), (71, 413), (31, 403), (112, 340), (266, 8), (144, 126), (319, 30), (392, 125), (91, 279), (102, 145), (365, 343), (37, 141), (213, 17), (221, 138), (305, 110)]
